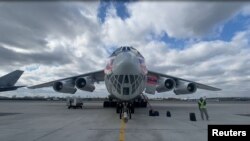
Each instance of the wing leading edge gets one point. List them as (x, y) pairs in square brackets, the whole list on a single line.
[(97, 76), (199, 85)]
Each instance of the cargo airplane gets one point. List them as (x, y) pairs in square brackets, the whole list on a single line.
[(126, 78)]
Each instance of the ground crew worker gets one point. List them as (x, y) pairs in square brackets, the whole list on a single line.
[(202, 107)]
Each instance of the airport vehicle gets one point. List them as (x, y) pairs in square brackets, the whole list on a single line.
[(126, 78), (8, 81), (74, 103)]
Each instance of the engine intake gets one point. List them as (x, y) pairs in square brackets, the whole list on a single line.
[(85, 84), (185, 88), (64, 87), (166, 85)]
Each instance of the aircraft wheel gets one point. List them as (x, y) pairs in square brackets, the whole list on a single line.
[(136, 104), (105, 104), (118, 110), (132, 110), (114, 103)]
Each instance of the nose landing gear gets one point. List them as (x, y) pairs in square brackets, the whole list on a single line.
[(125, 110)]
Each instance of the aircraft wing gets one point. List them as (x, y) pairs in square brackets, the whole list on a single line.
[(97, 76), (199, 85)]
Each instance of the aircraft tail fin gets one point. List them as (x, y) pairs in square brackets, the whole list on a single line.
[(11, 78)]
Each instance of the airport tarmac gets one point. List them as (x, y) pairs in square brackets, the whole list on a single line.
[(48, 120)]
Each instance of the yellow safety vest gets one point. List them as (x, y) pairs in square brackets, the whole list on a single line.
[(202, 104)]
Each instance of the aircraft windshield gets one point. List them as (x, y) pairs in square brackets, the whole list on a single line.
[(124, 49)]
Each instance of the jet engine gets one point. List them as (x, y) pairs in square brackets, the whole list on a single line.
[(85, 84), (185, 88), (64, 87), (166, 85)]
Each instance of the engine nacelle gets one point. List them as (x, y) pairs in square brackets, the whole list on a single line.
[(85, 84), (64, 87), (185, 88), (166, 85)]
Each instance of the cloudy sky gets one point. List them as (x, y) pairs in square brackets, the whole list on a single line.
[(206, 42)]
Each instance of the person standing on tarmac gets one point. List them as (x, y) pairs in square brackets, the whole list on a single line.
[(202, 107)]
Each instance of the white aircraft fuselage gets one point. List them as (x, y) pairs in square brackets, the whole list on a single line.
[(125, 74)]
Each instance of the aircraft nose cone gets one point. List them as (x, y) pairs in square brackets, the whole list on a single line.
[(126, 63)]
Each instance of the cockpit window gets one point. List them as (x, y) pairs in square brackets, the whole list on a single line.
[(124, 49), (126, 79), (136, 52), (117, 51)]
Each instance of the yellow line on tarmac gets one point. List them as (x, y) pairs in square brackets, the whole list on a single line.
[(122, 131)]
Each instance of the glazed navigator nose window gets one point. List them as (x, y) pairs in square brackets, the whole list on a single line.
[(120, 79), (126, 91), (126, 79)]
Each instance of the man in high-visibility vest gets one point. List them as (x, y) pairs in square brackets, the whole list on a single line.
[(202, 107)]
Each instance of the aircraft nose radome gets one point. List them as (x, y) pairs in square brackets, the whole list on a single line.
[(126, 63)]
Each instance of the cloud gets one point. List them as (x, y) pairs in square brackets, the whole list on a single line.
[(176, 19), (218, 63), (57, 56), (204, 55), (50, 33), (33, 25)]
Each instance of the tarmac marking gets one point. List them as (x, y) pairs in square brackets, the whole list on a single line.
[(122, 131)]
